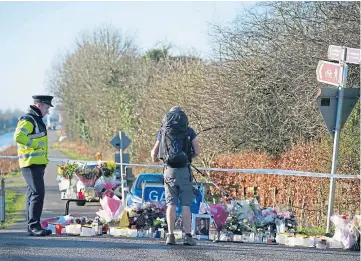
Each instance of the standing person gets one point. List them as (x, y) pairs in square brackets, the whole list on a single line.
[(176, 145), (32, 140)]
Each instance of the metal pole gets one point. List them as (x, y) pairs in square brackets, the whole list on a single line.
[(2, 197), (331, 198), (121, 166)]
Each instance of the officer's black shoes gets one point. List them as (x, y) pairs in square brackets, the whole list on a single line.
[(39, 232)]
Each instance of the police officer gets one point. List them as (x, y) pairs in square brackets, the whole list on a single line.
[(31, 138)]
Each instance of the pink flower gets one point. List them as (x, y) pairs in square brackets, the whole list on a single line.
[(108, 185), (109, 193)]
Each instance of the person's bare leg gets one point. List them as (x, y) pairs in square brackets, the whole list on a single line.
[(171, 216), (187, 223), (187, 219)]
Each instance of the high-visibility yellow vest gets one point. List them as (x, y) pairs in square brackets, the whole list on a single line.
[(32, 142)]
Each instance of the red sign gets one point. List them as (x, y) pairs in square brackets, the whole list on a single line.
[(330, 73)]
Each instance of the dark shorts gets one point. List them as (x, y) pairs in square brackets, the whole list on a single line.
[(178, 186)]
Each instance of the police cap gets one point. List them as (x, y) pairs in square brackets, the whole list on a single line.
[(43, 99)]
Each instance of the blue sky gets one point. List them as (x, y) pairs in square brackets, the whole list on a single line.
[(33, 34)]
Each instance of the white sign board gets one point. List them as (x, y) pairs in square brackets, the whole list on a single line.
[(334, 52), (353, 55)]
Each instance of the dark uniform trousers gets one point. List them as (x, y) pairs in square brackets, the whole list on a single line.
[(34, 178)]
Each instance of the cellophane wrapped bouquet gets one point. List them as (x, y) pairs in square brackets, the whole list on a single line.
[(107, 182), (66, 173), (88, 176)]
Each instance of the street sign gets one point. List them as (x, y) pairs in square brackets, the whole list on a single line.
[(335, 52), (336, 105), (121, 142), (125, 157), (330, 73), (353, 55), (116, 142), (327, 100), (127, 171)]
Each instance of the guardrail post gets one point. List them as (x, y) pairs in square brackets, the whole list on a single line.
[(2, 200)]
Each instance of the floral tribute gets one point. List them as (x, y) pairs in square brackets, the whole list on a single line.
[(88, 176), (107, 169), (147, 215), (67, 170)]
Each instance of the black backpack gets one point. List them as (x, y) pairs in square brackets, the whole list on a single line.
[(174, 144)]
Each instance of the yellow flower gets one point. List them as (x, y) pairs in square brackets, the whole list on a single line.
[(111, 164)]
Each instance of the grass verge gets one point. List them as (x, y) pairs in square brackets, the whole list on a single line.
[(15, 174), (14, 205), (312, 231), (14, 180), (74, 155), (70, 152)]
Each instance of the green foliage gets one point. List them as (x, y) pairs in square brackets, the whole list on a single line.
[(14, 204), (158, 54), (349, 149), (84, 132), (311, 231)]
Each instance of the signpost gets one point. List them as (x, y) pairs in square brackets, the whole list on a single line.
[(335, 74), (2, 200), (126, 159), (121, 142)]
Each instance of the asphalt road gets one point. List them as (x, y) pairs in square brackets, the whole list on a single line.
[(15, 245)]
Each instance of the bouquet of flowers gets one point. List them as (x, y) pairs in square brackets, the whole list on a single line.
[(89, 193), (112, 208), (107, 182), (107, 169), (65, 174), (109, 189), (88, 176), (220, 215), (160, 223), (67, 170), (234, 225), (144, 216)]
